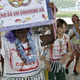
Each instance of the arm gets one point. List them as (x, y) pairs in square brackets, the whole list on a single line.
[(68, 54), (2, 59), (47, 64), (74, 34), (76, 22), (71, 34), (2, 62)]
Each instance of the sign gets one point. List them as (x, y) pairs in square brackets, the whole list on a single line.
[(16, 14)]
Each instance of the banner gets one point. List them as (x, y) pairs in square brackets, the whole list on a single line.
[(16, 14)]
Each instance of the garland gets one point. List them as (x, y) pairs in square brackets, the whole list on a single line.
[(11, 37), (23, 55)]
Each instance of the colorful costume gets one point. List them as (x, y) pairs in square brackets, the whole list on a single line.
[(74, 35), (75, 44), (75, 41), (21, 60), (59, 49)]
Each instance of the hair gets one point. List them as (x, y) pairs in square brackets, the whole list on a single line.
[(60, 23), (11, 36)]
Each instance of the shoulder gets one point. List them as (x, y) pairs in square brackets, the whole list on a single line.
[(70, 33), (71, 30), (56, 42), (66, 35), (4, 40)]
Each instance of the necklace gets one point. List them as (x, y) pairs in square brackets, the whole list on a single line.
[(21, 50), (60, 44)]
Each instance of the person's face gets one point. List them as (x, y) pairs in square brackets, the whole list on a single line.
[(21, 32), (61, 30)]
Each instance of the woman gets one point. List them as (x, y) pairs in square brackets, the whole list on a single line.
[(74, 35), (21, 59)]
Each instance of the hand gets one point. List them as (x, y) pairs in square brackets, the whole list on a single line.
[(64, 58), (74, 53), (74, 34), (47, 64), (51, 5), (76, 22), (75, 19), (43, 57)]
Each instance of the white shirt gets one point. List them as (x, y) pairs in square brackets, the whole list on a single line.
[(13, 63), (57, 51)]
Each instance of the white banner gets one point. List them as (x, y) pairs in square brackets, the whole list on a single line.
[(18, 12)]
